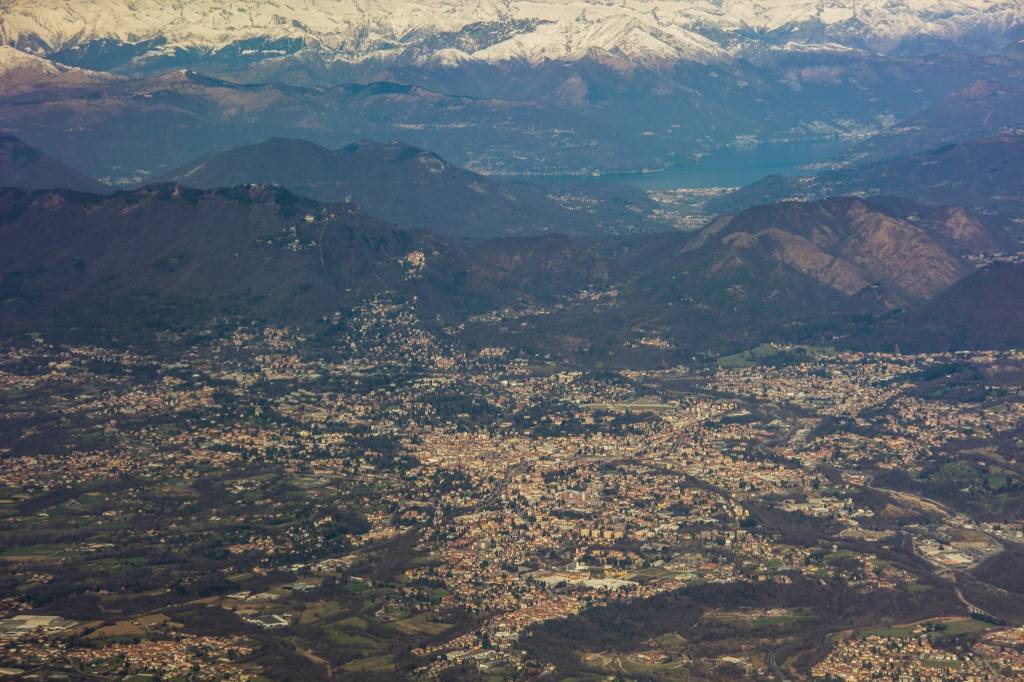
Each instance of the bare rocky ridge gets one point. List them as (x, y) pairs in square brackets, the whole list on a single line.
[(850, 244)]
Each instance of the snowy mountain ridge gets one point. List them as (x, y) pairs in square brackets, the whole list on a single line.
[(22, 71), (451, 31)]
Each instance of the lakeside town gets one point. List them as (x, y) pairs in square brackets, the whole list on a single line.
[(394, 505)]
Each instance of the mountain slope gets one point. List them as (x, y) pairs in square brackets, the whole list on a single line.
[(851, 244), (28, 168), (258, 250), (170, 256), (982, 311), (799, 272), (167, 255), (416, 189)]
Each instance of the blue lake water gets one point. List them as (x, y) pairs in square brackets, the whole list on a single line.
[(727, 167)]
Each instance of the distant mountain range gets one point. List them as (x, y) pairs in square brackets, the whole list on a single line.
[(131, 130), (393, 182), (171, 255), (623, 34), (985, 175), (552, 117), (419, 190), (985, 108)]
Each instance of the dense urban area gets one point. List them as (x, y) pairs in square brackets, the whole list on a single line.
[(253, 502)]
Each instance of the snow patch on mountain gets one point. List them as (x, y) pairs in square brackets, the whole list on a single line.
[(20, 71), (12, 59)]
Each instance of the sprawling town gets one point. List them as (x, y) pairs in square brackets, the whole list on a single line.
[(252, 502)]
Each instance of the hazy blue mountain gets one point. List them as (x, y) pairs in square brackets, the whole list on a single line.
[(553, 117), (26, 167), (985, 175), (419, 190)]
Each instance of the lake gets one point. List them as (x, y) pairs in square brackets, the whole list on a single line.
[(726, 167)]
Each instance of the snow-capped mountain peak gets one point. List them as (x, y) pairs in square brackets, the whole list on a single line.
[(449, 32)]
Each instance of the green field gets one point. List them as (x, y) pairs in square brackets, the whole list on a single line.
[(350, 639), (749, 358), (32, 551), (953, 626), (419, 625), (371, 664)]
